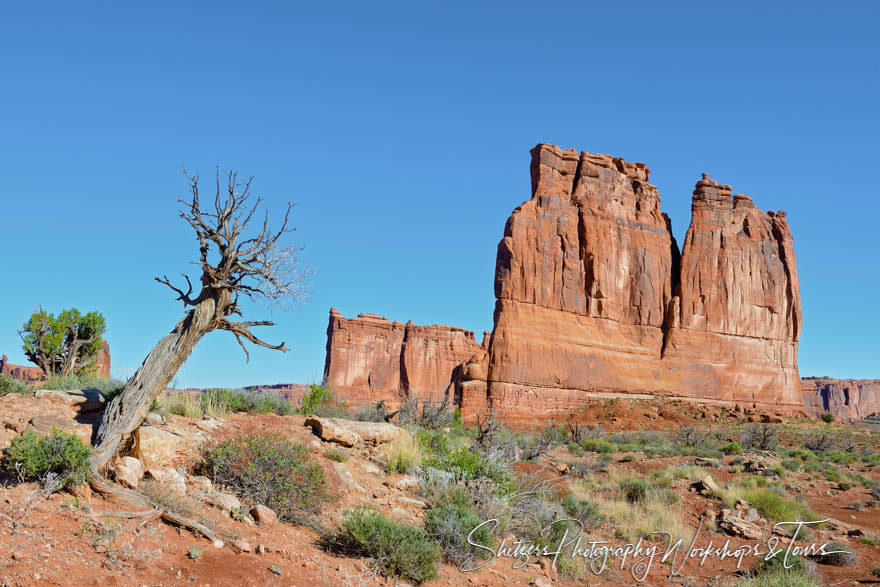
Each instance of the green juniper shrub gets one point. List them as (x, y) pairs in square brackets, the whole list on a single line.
[(400, 549), (828, 417), (599, 445), (60, 452), (876, 571), (731, 448), (271, 470)]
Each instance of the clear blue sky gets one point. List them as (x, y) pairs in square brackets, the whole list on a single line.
[(403, 133)]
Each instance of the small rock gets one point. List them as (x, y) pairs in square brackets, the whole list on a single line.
[(707, 485), (406, 483), (262, 549), (263, 515), (241, 545), (563, 468), (129, 472), (541, 582), (154, 419), (199, 483), (225, 501)]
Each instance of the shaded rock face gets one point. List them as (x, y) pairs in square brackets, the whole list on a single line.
[(846, 399), (370, 358), (594, 298)]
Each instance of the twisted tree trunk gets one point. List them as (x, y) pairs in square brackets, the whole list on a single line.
[(127, 411)]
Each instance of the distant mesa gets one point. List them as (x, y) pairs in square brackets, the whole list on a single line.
[(594, 298)]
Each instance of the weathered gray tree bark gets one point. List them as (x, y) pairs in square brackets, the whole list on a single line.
[(256, 267)]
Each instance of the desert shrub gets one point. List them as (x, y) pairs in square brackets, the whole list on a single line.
[(582, 510), (534, 446), (10, 385), (876, 571), (875, 489), (450, 527), (731, 448), (692, 436), (600, 445), (403, 455), (60, 453), (635, 490), (575, 449), (467, 465), (376, 412), (317, 395), (268, 469), (399, 549), (772, 573), (818, 442), (426, 413), (838, 555), (760, 437), (827, 417), (320, 401)]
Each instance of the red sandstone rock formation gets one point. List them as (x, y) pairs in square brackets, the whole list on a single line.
[(370, 358), (593, 297), (28, 374), (847, 399)]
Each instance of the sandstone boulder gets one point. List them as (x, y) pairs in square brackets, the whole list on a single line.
[(328, 430), (263, 515), (129, 472)]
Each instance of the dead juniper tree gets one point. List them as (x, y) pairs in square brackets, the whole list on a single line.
[(233, 264)]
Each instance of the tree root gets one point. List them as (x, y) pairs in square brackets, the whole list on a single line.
[(151, 511)]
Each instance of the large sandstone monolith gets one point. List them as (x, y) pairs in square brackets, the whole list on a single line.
[(594, 299), (846, 399), (370, 358)]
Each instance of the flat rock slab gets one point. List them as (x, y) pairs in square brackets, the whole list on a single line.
[(84, 400), (351, 432)]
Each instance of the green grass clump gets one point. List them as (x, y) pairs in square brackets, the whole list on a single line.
[(217, 403), (334, 454), (635, 490), (60, 452), (778, 508), (268, 469), (399, 549)]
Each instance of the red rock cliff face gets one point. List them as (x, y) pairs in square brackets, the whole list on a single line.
[(593, 297), (370, 358), (847, 399)]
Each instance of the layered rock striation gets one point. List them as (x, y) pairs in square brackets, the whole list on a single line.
[(846, 399), (370, 358), (594, 298)]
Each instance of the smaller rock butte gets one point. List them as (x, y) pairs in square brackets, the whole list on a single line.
[(31, 374), (371, 359), (846, 399)]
